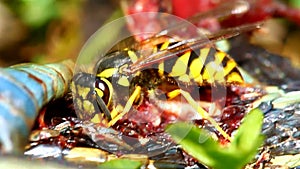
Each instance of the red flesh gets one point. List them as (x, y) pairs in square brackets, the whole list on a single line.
[(260, 10)]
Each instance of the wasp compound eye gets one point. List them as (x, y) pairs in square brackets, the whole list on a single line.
[(103, 95), (102, 89)]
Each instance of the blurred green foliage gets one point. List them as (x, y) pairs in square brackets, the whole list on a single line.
[(52, 30), (200, 144), (102, 38), (120, 164), (36, 13), (295, 3)]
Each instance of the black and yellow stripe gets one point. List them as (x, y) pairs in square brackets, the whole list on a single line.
[(198, 67), (205, 65)]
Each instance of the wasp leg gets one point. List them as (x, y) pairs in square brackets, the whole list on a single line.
[(127, 107), (204, 114)]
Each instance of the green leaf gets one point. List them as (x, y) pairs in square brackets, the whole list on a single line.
[(121, 164), (198, 143), (295, 3), (248, 138), (195, 141), (36, 13), (248, 135)]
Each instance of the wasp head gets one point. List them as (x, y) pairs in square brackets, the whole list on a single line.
[(92, 95)]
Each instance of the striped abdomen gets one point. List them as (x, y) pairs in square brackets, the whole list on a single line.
[(201, 66), (205, 66)]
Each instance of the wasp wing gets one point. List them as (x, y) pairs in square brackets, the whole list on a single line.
[(175, 26), (145, 59)]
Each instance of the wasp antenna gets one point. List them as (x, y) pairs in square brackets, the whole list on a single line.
[(103, 107)]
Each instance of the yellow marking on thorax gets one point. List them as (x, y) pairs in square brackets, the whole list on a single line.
[(165, 45), (123, 81), (161, 68), (133, 56), (107, 72), (180, 66)]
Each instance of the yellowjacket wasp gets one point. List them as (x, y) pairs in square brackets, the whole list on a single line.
[(159, 70)]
